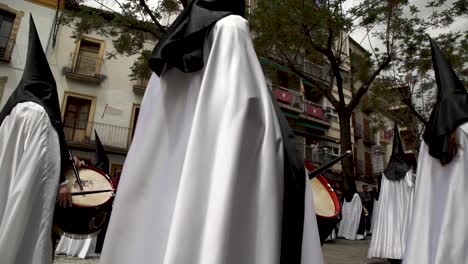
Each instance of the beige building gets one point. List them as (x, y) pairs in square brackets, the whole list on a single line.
[(95, 93)]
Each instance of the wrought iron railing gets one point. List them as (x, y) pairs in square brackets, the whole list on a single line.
[(289, 97), (315, 153), (317, 71), (296, 100), (141, 82), (315, 110), (6, 48), (139, 85), (82, 132), (85, 65)]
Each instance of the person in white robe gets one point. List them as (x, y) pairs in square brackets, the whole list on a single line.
[(438, 232), (86, 246), (351, 218), (33, 155), (388, 234), (206, 180)]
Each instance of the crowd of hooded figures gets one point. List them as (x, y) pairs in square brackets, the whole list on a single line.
[(213, 176)]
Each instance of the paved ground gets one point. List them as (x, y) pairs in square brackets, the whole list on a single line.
[(337, 252), (342, 251)]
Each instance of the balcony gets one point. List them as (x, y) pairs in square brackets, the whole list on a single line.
[(315, 110), (320, 72), (289, 99), (315, 154), (81, 133), (84, 68), (386, 136), (139, 85), (6, 48), (358, 131)]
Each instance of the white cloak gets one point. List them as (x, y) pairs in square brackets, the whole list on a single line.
[(29, 178), (351, 214), (438, 233), (389, 230), (203, 180), (74, 247), (374, 215)]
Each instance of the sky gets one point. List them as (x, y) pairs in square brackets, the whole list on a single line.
[(359, 35)]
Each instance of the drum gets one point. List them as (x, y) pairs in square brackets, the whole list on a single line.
[(90, 211), (327, 205)]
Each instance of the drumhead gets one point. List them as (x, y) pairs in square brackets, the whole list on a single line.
[(323, 201), (93, 180)]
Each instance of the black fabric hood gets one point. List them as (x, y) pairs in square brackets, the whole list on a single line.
[(396, 167), (182, 45), (450, 110), (101, 161), (38, 85)]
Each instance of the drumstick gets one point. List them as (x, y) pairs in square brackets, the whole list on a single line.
[(75, 170), (325, 167), (90, 192)]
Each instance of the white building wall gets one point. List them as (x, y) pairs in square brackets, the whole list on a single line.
[(115, 91), (44, 19)]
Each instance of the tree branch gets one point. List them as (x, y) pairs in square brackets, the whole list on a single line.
[(153, 17), (365, 86)]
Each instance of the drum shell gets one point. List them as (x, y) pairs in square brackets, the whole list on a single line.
[(82, 220)]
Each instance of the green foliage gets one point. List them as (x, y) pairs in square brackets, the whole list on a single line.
[(133, 28)]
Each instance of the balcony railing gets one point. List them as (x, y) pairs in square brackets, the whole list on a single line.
[(6, 48), (82, 132), (386, 136), (139, 85), (296, 102), (317, 71), (84, 67), (315, 110), (315, 154), (289, 97)]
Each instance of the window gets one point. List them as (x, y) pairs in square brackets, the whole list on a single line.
[(7, 21), (332, 114), (88, 59), (77, 115)]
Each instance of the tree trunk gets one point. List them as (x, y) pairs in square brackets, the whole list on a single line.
[(346, 144)]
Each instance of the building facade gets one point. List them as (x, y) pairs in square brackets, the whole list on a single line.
[(95, 93)]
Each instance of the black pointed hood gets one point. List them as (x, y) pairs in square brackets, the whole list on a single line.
[(450, 110), (38, 85), (350, 190), (182, 46), (396, 167), (101, 161)]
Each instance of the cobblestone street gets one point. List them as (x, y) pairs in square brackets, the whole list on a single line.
[(337, 252)]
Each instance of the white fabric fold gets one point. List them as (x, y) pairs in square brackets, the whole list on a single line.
[(389, 230), (203, 179), (82, 248), (29, 178), (351, 214), (438, 233)]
